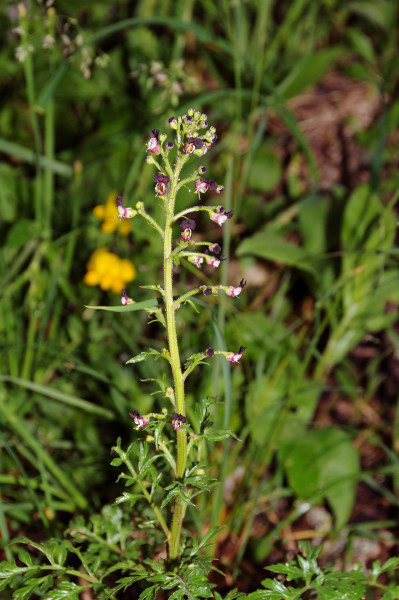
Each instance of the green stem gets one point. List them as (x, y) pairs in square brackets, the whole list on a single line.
[(150, 220), (181, 435), (49, 135), (185, 212)]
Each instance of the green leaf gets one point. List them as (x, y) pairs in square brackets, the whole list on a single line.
[(29, 156), (129, 307), (60, 396), (21, 232), (265, 171), (143, 356), (66, 591), (361, 44), (390, 565), (323, 463), (308, 70), (271, 246)]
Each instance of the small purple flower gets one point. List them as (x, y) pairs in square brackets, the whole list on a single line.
[(189, 148), (208, 291), (215, 248), (201, 186), (139, 421), (160, 178), (173, 122), (202, 170), (186, 235), (236, 291), (234, 357), (169, 145), (212, 185), (220, 217), (213, 261), (210, 352), (124, 212), (177, 421), (188, 224), (219, 189), (188, 227), (153, 143), (196, 260), (196, 141), (160, 189), (125, 298)]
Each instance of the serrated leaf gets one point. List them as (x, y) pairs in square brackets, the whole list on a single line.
[(389, 565), (55, 552), (290, 570), (25, 557), (66, 591)]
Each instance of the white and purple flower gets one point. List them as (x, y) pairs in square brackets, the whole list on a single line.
[(188, 227), (161, 181), (177, 421), (139, 421), (125, 300), (235, 291), (220, 216), (124, 212), (153, 143), (234, 357)]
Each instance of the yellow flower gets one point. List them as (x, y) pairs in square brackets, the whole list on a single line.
[(109, 271), (108, 213)]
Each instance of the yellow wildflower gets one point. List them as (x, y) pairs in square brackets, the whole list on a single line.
[(108, 213), (109, 271)]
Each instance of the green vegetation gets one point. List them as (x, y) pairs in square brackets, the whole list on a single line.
[(299, 440)]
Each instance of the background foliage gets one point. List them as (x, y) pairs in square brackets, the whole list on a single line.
[(303, 96)]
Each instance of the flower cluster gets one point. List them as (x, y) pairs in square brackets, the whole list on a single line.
[(107, 270), (193, 137)]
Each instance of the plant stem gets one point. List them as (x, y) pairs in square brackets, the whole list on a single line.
[(181, 461)]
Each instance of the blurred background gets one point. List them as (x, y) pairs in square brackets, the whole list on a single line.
[(303, 95)]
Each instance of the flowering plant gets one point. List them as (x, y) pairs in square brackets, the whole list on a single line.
[(193, 137)]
